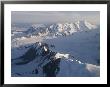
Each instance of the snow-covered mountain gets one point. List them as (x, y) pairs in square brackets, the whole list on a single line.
[(41, 61), (60, 29), (35, 29), (83, 45), (52, 30), (70, 28), (61, 49)]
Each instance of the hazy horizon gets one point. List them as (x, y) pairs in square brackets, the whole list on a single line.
[(54, 16)]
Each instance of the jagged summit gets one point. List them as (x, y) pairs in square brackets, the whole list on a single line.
[(60, 28), (51, 63)]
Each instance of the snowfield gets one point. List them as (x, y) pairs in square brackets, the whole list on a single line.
[(84, 46), (56, 50), (77, 69)]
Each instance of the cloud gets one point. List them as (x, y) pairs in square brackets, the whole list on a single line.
[(53, 16)]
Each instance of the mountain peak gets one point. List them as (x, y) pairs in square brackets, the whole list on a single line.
[(85, 25)]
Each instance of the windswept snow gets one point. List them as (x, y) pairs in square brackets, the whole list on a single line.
[(45, 48), (76, 69), (90, 26), (95, 70), (59, 55)]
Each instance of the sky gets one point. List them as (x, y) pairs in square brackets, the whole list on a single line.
[(54, 16)]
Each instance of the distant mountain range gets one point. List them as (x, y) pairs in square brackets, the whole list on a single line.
[(59, 29)]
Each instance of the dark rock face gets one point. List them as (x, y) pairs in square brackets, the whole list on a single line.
[(44, 58), (27, 57), (51, 68), (34, 52), (35, 71)]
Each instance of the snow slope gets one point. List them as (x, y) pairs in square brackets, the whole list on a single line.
[(73, 68), (41, 61), (85, 46)]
